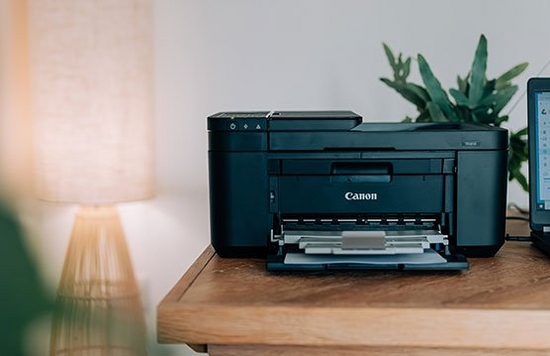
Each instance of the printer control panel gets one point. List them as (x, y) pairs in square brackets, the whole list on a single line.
[(258, 121), (239, 121)]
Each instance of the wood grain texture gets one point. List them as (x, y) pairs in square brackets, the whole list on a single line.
[(501, 302), (189, 277), (254, 350)]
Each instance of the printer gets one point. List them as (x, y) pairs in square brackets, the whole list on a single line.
[(323, 190)]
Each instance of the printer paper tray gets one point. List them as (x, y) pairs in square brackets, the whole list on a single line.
[(453, 263)]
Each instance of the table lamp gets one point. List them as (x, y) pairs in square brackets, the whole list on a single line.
[(92, 104)]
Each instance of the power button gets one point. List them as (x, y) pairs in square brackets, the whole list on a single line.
[(233, 125)]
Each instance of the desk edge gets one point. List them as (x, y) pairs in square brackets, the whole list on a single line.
[(177, 292), (188, 277)]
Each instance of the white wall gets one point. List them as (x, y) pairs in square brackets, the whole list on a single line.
[(240, 55), (274, 55)]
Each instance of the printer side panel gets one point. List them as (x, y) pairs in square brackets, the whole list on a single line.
[(239, 225), (481, 202)]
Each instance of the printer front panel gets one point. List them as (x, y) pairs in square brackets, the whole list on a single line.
[(335, 195), (361, 186)]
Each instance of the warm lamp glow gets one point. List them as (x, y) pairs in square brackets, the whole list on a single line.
[(91, 72)]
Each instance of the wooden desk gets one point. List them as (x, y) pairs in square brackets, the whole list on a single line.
[(500, 306)]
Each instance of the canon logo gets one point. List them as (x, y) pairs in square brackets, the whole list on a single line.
[(361, 196)]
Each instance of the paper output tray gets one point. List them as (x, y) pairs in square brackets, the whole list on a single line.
[(454, 262)]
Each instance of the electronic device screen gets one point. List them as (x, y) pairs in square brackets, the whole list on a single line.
[(538, 104), (542, 147)]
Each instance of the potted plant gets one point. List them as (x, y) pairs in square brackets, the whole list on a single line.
[(476, 99)]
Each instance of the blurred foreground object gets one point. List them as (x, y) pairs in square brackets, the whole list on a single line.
[(23, 296)]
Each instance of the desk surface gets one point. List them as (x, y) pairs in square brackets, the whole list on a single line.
[(499, 303)]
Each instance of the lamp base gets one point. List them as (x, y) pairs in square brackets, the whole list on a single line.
[(98, 308)]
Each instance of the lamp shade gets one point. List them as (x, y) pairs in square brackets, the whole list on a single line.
[(92, 100)]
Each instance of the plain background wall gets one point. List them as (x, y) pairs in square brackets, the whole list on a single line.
[(277, 55)]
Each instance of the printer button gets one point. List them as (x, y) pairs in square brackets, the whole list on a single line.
[(233, 125)]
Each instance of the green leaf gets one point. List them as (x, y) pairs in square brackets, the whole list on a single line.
[(503, 97), (474, 117), (418, 90), (460, 98), (488, 88), (406, 69), (500, 119), (484, 115), (498, 100), (517, 154), (520, 133), (407, 119), (479, 67), (436, 113), (434, 89), (464, 114), (424, 116), (518, 144), (504, 80), (390, 56), (401, 69), (462, 84), (522, 180), (408, 91)]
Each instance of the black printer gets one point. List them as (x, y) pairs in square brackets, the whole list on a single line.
[(321, 190)]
